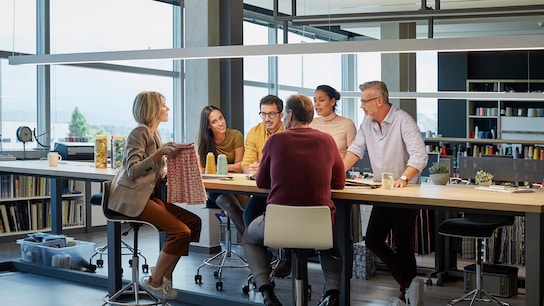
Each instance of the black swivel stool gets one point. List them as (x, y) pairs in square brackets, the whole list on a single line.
[(130, 294), (479, 227), (126, 249)]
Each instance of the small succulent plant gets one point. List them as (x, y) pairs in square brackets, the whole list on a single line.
[(483, 176), (437, 168)]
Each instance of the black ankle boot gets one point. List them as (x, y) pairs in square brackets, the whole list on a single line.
[(269, 297)]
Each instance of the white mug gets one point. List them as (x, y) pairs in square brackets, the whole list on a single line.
[(388, 180), (53, 158)]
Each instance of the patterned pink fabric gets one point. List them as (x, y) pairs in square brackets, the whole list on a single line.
[(185, 183)]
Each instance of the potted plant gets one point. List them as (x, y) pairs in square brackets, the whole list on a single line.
[(439, 173), (483, 178)]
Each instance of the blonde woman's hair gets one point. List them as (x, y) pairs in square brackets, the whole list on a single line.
[(147, 106)]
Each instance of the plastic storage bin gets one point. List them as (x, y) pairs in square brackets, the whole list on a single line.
[(74, 255)]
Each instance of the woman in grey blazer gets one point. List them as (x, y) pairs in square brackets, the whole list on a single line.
[(133, 191)]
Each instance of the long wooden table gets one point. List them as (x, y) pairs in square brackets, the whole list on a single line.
[(449, 197)]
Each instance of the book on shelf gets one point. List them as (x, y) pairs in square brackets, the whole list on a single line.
[(40, 215), (5, 218), (13, 215), (65, 211), (34, 216), (1, 224)]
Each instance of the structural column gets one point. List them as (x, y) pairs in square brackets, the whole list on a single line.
[(217, 82)]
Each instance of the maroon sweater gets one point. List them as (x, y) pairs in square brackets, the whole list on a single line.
[(300, 166)]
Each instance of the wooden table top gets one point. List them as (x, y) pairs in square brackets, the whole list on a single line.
[(452, 196)]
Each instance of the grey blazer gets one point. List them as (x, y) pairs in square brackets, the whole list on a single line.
[(137, 178)]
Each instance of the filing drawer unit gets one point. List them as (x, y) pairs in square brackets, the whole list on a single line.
[(497, 280)]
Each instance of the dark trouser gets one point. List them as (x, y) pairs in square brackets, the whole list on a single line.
[(255, 207), (401, 259)]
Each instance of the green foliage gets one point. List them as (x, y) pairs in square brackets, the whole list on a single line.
[(483, 176), (437, 168), (78, 126)]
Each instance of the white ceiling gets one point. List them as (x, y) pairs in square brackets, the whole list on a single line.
[(442, 27)]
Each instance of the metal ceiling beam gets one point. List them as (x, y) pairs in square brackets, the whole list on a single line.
[(494, 43), (406, 16)]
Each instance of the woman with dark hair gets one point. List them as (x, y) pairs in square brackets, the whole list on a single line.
[(342, 129), (215, 137)]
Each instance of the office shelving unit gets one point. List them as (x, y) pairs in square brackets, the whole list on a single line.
[(25, 205), (515, 120)]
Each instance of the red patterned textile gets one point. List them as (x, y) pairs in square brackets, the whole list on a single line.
[(185, 183)]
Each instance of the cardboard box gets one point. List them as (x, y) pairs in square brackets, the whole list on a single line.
[(497, 280)]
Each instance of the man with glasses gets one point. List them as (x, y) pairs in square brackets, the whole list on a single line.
[(271, 112), (394, 144), (271, 108)]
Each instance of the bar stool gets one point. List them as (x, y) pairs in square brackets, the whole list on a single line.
[(126, 249), (479, 227), (227, 258), (130, 294), (288, 227)]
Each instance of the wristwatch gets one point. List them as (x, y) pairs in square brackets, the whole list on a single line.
[(404, 178)]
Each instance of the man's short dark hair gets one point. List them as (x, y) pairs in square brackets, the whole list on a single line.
[(271, 99)]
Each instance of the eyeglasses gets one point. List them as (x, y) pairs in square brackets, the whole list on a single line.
[(369, 100), (270, 115)]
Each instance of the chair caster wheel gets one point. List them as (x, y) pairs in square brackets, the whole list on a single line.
[(429, 282), (130, 262), (440, 282), (91, 268), (145, 268), (245, 289), (198, 279), (219, 285), (216, 273), (100, 263)]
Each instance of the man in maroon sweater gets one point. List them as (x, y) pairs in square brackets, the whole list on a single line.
[(299, 166)]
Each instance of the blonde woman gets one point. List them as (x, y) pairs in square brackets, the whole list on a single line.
[(133, 192)]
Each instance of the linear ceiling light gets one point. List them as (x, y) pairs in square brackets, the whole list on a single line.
[(494, 43)]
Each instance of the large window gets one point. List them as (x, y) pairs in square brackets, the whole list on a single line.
[(427, 81), (104, 98), (17, 103), (104, 95), (17, 83)]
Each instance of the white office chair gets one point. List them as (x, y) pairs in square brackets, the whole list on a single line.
[(302, 229)]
